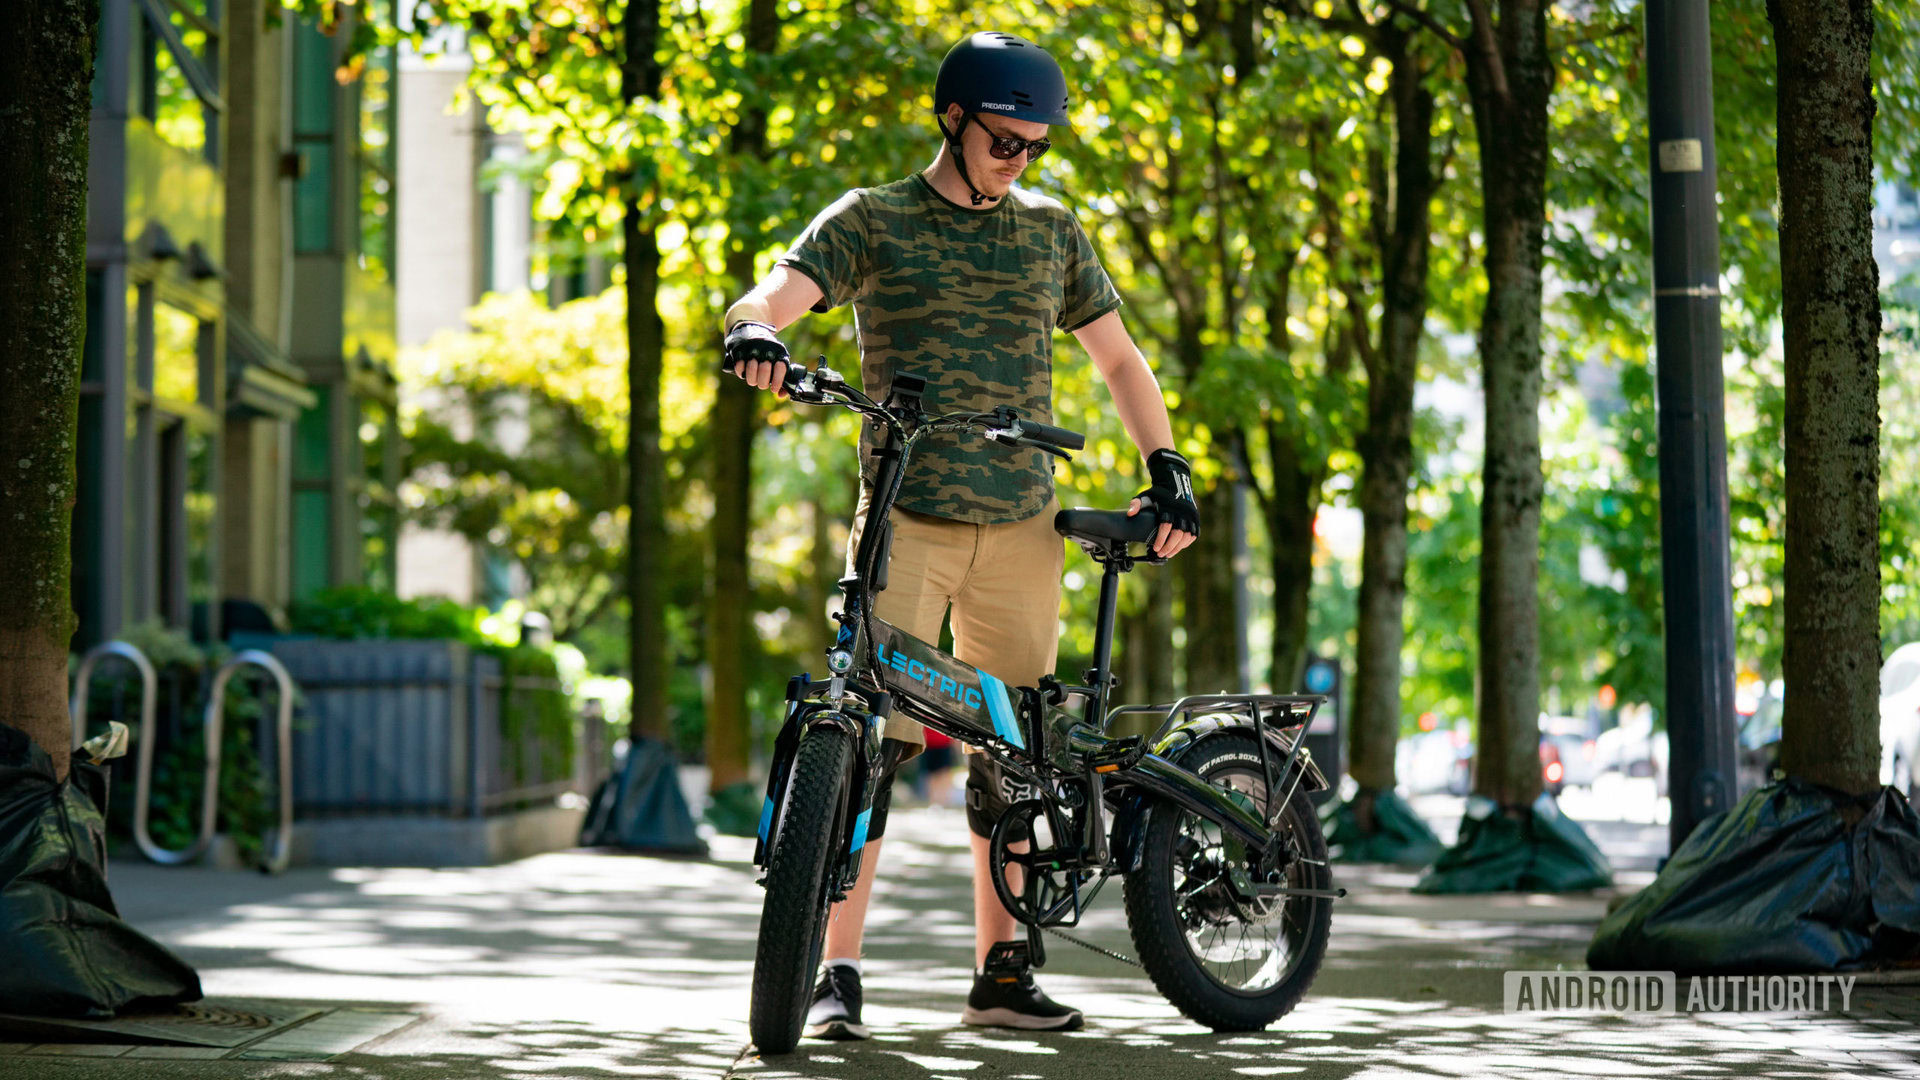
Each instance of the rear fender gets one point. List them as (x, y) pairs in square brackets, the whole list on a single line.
[(1135, 809)]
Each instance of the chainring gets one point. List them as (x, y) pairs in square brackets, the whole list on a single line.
[(1050, 884)]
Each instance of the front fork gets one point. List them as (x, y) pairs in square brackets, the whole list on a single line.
[(809, 704)]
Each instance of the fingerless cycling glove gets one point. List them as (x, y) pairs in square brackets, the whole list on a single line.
[(753, 341), (1172, 492)]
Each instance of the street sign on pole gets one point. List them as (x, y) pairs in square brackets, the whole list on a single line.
[(1694, 531), (1326, 738)]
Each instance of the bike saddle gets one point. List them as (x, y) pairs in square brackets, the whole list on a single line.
[(1104, 528)]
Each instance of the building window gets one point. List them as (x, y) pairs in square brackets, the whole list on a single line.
[(379, 507), (177, 360), (377, 117), (179, 52), (312, 497), (315, 92)]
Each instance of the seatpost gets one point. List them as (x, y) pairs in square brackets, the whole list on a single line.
[(1103, 640)]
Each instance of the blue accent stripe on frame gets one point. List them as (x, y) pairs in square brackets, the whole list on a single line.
[(766, 817), (860, 830), (1001, 709)]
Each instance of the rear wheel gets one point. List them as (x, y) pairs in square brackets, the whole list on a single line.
[(1230, 961), (793, 922)]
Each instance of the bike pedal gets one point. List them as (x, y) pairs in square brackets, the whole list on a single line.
[(1122, 753), (1007, 960)]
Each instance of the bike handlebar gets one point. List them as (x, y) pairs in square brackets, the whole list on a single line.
[(824, 386), (1047, 433), (795, 372)]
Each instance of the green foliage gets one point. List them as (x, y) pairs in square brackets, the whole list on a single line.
[(351, 613), (519, 444), (1231, 182)]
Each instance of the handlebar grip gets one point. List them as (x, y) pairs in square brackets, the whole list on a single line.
[(795, 372), (1047, 433)]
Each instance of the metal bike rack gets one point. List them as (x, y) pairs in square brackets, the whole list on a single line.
[(280, 847), (149, 686)]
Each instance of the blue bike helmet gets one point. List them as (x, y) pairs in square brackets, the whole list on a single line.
[(1002, 75)]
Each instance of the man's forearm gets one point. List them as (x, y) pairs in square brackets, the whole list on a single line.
[(1142, 407), (780, 298)]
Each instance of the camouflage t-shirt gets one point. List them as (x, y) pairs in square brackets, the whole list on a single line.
[(969, 299)]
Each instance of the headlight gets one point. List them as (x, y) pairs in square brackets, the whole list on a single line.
[(840, 661)]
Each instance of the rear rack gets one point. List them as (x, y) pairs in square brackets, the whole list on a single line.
[(1282, 712)]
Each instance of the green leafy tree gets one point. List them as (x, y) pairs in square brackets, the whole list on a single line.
[(524, 447)]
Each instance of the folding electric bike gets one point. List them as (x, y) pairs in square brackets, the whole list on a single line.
[(1228, 894)]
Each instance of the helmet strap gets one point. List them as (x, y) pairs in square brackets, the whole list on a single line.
[(959, 155)]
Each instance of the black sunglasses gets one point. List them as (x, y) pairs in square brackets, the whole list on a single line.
[(1006, 146)]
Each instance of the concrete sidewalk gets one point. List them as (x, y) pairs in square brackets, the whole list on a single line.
[(591, 965)]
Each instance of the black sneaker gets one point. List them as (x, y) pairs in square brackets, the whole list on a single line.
[(1013, 1001), (836, 1006)]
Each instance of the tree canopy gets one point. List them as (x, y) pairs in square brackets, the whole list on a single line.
[(1231, 161)]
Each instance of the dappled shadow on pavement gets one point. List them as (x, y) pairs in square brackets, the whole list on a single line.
[(598, 965)]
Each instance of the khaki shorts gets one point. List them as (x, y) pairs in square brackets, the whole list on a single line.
[(1002, 582)]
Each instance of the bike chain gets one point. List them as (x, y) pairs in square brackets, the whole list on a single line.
[(1109, 953)]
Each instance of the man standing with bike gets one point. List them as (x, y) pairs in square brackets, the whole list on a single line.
[(960, 277)]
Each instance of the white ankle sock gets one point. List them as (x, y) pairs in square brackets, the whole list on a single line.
[(843, 962)]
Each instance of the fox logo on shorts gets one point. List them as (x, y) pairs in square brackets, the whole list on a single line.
[(1012, 790)]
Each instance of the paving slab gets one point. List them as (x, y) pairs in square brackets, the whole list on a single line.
[(592, 964)]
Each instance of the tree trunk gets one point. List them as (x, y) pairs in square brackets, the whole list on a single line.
[(1386, 447), (1511, 123), (44, 93), (734, 418), (646, 348), (1831, 313), (1288, 509), (730, 603), (1291, 508), (1213, 618), (646, 500), (1146, 642), (823, 584)]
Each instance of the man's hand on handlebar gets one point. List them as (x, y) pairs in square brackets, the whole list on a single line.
[(755, 354), (1171, 497)]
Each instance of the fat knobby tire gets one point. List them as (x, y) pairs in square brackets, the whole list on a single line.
[(1157, 934), (793, 922)]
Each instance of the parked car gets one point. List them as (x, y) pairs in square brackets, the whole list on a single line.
[(1433, 762), (1634, 749), (1573, 761), (1900, 721), (1574, 745)]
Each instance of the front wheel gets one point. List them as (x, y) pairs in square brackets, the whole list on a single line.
[(1228, 961), (793, 923)]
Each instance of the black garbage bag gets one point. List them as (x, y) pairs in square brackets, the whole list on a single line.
[(640, 807), (1399, 835), (1542, 850), (1795, 877), (67, 951)]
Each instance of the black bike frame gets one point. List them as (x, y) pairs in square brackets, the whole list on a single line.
[(879, 667)]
